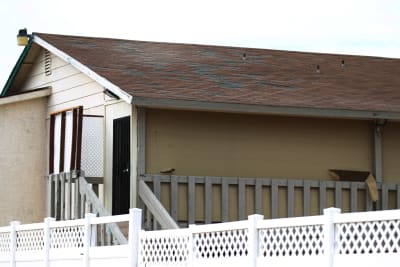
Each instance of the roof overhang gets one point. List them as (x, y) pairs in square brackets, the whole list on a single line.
[(16, 69), (261, 109), (38, 93), (84, 69)]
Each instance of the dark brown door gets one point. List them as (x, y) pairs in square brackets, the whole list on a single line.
[(121, 166)]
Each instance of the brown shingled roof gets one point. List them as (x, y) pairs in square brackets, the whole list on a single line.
[(239, 75)]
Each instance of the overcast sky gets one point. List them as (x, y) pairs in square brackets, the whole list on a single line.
[(361, 27)]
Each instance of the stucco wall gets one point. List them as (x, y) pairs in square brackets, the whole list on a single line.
[(218, 144), (22, 161)]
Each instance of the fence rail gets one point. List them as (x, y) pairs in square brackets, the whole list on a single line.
[(199, 199), (330, 240)]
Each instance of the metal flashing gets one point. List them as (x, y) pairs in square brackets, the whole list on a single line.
[(84, 69)]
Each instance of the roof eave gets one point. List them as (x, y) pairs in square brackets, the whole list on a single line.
[(263, 109), (84, 69), (16, 69)]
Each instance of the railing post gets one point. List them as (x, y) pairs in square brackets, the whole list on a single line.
[(46, 240), (135, 222), (253, 239), (13, 240), (329, 235), (50, 196), (88, 231)]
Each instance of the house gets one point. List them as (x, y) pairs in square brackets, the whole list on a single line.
[(194, 121)]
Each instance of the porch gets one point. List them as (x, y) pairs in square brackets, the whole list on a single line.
[(204, 200), (169, 201)]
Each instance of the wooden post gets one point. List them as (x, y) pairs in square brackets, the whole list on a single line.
[(329, 236), (13, 240), (50, 196), (378, 151), (68, 196), (62, 202), (253, 239), (135, 222), (56, 196), (46, 240)]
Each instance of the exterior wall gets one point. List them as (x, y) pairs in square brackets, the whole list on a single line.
[(70, 87), (218, 144), (23, 161), (114, 110), (238, 145), (391, 152)]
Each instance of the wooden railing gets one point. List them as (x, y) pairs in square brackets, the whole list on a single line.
[(193, 199), (71, 197), (156, 216)]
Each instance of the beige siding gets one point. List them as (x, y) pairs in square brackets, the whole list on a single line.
[(217, 144), (23, 161), (391, 152), (70, 87), (237, 145)]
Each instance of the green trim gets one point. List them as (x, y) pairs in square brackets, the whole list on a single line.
[(16, 68)]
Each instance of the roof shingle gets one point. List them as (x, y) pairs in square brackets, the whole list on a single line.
[(239, 75)]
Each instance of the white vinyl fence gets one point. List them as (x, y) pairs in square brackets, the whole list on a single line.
[(333, 239)]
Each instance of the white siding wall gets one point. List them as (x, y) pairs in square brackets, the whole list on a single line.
[(70, 87)]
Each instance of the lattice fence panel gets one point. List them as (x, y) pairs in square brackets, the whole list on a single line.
[(291, 241), (4, 243), (223, 244), (170, 249), (92, 146), (67, 237), (368, 237), (30, 240)]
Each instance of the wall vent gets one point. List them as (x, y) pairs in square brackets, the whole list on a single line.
[(47, 63)]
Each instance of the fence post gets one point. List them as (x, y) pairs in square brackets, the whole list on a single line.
[(191, 245), (329, 235), (13, 240), (253, 239), (87, 242), (46, 240), (135, 224)]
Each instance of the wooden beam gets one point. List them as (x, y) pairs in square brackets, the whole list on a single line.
[(261, 109), (378, 151), (62, 142), (141, 132), (51, 144)]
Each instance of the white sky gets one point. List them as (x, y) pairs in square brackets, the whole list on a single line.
[(362, 27)]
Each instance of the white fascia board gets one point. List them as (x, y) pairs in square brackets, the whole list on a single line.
[(25, 96), (84, 69)]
